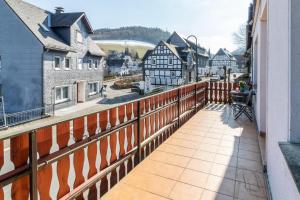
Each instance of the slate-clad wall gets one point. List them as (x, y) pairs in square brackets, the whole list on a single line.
[(54, 78), (21, 73)]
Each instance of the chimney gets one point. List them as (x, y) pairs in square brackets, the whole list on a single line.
[(59, 10)]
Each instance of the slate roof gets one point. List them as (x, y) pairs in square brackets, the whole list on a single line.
[(68, 19), (93, 48), (148, 52), (173, 48), (36, 20), (224, 52)]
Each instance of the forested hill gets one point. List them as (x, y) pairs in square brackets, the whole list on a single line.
[(144, 34)]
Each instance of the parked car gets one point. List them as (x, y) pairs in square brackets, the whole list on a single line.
[(215, 78)]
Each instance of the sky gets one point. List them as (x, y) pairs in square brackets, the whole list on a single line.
[(212, 21)]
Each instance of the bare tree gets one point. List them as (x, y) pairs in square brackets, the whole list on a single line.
[(239, 37)]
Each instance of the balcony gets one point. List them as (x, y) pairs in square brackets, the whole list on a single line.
[(211, 156), (172, 145)]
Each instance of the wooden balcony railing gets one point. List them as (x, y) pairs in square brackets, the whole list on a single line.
[(82, 158), (219, 92)]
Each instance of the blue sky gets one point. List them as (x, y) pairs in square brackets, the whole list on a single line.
[(212, 21)]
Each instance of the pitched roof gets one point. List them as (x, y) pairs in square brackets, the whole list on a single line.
[(35, 18), (173, 48), (224, 52), (68, 19), (148, 52), (93, 48)]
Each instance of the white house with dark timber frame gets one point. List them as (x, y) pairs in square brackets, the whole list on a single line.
[(168, 65)]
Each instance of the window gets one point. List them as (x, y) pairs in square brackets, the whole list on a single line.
[(90, 64), (79, 63), (96, 64), (79, 37), (57, 63), (173, 74), (170, 62), (67, 63), (153, 61), (93, 87), (62, 94)]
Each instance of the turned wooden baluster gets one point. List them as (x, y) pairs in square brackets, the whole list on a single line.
[(92, 153), (103, 165), (103, 120), (113, 158), (63, 165), (113, 117), (78, 158), (44, 175), (129, 111), (220, 93), (225, 93), (122, 152), (129, 146), (122, 114), (19, 152)]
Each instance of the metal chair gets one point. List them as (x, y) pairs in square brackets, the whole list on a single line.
[(243, 107)]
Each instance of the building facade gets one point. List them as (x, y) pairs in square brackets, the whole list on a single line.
[(223, 58), (56, 61), (173, 62), (275, 49)]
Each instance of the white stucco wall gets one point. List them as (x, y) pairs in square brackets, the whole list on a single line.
[(278, 97)]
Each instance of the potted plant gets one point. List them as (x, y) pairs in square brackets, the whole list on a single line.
[(242, 85)]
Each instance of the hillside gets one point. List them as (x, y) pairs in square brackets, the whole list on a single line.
[(138, 33)]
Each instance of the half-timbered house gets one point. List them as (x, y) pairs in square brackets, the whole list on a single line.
[(223, 58), (173, 62)]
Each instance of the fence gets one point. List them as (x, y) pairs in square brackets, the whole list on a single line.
[(84, 157), (25, 116), (219, 92)]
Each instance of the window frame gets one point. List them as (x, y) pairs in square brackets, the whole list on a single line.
[(59, 58), (170, 58), (153, 59), (96, 64), (90, 64), (96, 91), (78, 33), (62, 99), (68, 59), (81, 63)]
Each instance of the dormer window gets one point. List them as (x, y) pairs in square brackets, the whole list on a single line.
[(79, 37)]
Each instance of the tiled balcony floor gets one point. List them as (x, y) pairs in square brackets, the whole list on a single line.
[(210, 157)]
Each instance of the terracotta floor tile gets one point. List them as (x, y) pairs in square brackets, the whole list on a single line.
[(229, 151), (194, 178), (249, 141), (200, 165), (249, 155), (249, 165), (126, 192), (230, 138), (221, 185), (249, 147), (249, 192), (223, 171), (160, 169), (176, 150), (250, 177), (182, 143), (182, 191), (214, 136), (189, 137), (204, 155), (169, 158), (211, 141), (151, 183), (226, 160), (209, 195), (208, 147)]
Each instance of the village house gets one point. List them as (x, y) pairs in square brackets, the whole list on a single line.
[(173, 62), (47, 58), (223, 58), (121, 64)]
